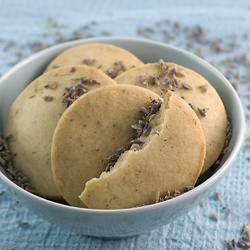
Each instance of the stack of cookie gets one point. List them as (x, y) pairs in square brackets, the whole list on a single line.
[(101, 129)]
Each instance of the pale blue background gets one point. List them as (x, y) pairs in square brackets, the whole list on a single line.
[(25, 20)]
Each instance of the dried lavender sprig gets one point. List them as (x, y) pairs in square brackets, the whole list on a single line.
[(170, 195), (76, 91), (202, 112), (226, 146), (117, 68), (113, 159), (6, 162), (142, 127)]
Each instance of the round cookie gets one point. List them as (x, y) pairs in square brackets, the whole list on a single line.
[(34, 115), (110, 59), (164, 161), (93, 128), (195, 90)]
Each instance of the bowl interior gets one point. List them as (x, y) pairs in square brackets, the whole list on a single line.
[(12, 83)]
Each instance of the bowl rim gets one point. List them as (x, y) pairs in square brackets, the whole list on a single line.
[(188, 195)]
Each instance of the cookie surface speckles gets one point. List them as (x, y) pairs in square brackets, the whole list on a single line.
[(110, 59)]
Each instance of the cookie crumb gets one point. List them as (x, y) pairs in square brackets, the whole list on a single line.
[(243, 244), (246, 237), (199, 33), (19, 54), (231, 244), (149, 29), (244, 228), (23, 223), (218, 196), (214, 217)]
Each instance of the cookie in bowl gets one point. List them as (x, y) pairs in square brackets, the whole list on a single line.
[(92, 129), (195, 90), (111, 59), (34, 115), (166, 157)]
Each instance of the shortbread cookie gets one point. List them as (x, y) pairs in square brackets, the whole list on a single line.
[(195, 90), (94, 127), (110, 59), (169, 158), (33, 117)]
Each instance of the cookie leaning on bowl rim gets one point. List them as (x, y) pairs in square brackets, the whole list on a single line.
[(195, 90), (168, 159), (103, 120), (34, 115), (111, 59)]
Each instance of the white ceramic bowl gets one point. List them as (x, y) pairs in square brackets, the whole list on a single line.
[(133, 221)]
